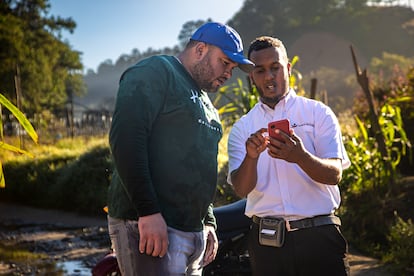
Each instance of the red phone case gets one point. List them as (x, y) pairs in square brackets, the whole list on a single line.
[(283, 125)]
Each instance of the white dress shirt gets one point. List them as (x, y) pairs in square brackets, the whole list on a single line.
[(283, 188)]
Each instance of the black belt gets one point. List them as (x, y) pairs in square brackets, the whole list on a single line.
[(307, 222)]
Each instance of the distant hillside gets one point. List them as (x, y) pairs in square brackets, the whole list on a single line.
[(323, 47)]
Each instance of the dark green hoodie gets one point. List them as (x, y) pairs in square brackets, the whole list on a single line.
[(164, 142)]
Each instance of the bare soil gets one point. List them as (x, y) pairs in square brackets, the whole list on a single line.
[(69, 239)]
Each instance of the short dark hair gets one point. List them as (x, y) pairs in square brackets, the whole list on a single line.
[(264, 42)]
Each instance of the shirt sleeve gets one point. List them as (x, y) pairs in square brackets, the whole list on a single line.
[(139, 100), (329, 142), (236, 148)]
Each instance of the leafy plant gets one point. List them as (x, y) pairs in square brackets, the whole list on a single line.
[(368, 168), (25, 123)]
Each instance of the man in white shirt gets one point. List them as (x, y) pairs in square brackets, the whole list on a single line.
[(291, 184)]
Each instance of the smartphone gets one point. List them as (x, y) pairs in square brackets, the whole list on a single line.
[(282, 125)]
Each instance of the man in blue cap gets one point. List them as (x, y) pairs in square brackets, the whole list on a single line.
[(164, 142)]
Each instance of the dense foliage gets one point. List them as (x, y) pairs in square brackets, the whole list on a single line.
[(362, 24)]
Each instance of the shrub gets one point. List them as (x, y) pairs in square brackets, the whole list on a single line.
[(30, 181), (401, 240), (72, 175), (81, 186)]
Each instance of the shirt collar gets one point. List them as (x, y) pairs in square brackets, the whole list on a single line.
[(287, 99)]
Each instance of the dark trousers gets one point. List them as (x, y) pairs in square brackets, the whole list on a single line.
[(313, 251)]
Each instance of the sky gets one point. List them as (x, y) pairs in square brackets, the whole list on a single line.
[(106, 29)]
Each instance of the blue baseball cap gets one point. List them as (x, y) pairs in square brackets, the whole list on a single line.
[(227, 39)]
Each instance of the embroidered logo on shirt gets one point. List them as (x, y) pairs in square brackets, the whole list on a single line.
[(300, 125), (211, 116), (195, 98)]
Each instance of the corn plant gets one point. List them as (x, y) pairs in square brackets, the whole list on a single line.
[(24, 122), (369, 167)]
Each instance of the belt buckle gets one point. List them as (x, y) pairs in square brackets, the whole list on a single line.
[(288, 228)]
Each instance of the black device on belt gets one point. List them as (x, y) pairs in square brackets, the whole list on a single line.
[(272, 229), (307, 222)]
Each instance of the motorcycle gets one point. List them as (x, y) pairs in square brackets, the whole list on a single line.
[(232, 231), (232, 255)]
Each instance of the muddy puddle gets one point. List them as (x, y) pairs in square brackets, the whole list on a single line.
[(50, 250)]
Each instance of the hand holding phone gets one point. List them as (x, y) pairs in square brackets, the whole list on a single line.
[(282, 125)]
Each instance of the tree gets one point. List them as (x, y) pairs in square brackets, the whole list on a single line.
[(187, 30), (33, 56)]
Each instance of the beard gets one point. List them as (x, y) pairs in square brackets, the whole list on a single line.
[(272, 101), (204, 76)]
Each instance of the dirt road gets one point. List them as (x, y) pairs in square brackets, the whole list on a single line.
[(81, 241)]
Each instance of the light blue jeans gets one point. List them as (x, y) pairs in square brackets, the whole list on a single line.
[(184, 257)]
